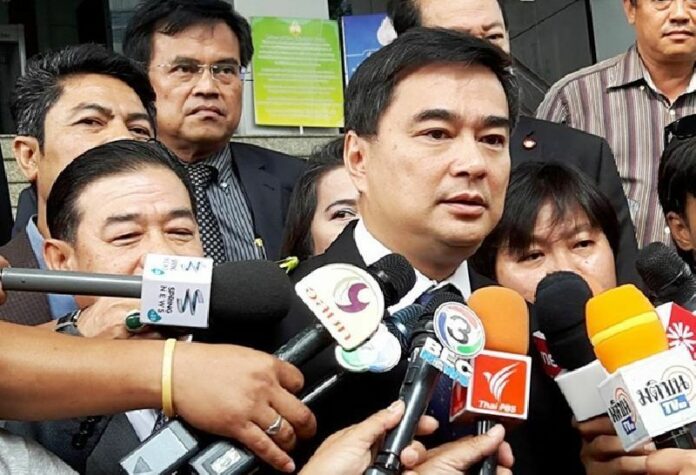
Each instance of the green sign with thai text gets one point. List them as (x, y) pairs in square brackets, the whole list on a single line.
[(297, 72)]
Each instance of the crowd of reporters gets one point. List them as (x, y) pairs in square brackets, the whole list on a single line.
[(435, 164)]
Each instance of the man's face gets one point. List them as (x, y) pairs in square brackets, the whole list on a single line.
[(480, 18), (433, 179), (93, 109), (663, 35), (125, 217), (201, 112)]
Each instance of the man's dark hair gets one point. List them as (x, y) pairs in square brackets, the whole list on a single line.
[(532, 185), (110, 159), (40, 87), (405, 14), (297, 238), (676, 178), (170, 17), (370, 90)]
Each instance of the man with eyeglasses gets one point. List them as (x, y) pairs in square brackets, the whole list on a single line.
[(195, 52), (629, 99)]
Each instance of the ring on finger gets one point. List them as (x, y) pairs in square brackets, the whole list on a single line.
[(274, 428)]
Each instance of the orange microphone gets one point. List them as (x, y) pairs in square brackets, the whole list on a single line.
[(499, 385), (652, 389)]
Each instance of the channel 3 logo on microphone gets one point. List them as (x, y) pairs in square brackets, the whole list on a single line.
[(459, 329)]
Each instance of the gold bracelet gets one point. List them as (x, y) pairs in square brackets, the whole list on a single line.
[(167, 364)]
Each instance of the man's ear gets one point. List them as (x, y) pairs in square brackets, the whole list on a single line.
[(59, 255), (630, 10), (679, 230), (354, 157), (27, 152)]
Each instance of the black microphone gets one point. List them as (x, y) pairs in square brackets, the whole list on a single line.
[(395, 277), (245, 293), (416, 390), (236, 460), (667, 276), (559, 305)]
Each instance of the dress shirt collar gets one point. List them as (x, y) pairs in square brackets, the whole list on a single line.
[(221, 161), (371, 250), (630, 70), (59, 305)]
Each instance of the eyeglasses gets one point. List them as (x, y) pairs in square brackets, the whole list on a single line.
[(681, 129), (665, 4), (224, 73)]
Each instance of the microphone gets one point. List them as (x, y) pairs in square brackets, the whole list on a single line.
[(667, 276), (560, 309), (245, 293), (416, 389), (392, 275), (501, 373), (224, 454), (650, 392)]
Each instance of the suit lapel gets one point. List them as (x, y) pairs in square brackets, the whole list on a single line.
[(263, 193)]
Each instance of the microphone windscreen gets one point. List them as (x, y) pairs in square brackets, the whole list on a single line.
[(403, 323), (559, 306), (441, 298), (660, 266), (505, 318), (249, 294), (395, 277), (623, 327)]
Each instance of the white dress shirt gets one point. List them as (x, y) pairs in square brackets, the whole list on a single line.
[(371, 250)]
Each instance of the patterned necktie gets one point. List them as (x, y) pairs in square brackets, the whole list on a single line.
[(201, 175)]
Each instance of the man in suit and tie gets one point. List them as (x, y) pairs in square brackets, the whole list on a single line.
[(532, 139), (428, 122), (195, 52), (107, 210)]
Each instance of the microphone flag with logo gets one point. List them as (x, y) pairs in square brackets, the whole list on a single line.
[(651, 391)]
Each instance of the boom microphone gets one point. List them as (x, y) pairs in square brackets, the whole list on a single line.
[(245, 292)]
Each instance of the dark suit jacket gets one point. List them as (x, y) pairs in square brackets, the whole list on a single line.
[(25, 308), (540, 140), (545, 444), (26, 208), (267, 178), (5, 206)]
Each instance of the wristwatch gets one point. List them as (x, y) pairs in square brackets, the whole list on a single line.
[(67, 324)]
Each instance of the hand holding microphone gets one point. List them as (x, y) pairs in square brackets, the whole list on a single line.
[(672, 462), (349, 451)]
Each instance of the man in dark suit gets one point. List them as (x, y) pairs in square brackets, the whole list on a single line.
[(428, 120), (196, 52), (532, 139), (106, 211)]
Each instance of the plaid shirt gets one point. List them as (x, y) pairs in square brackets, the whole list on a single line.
[(616, 99)]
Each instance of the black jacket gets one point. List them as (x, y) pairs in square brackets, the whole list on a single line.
[(544, 444)]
